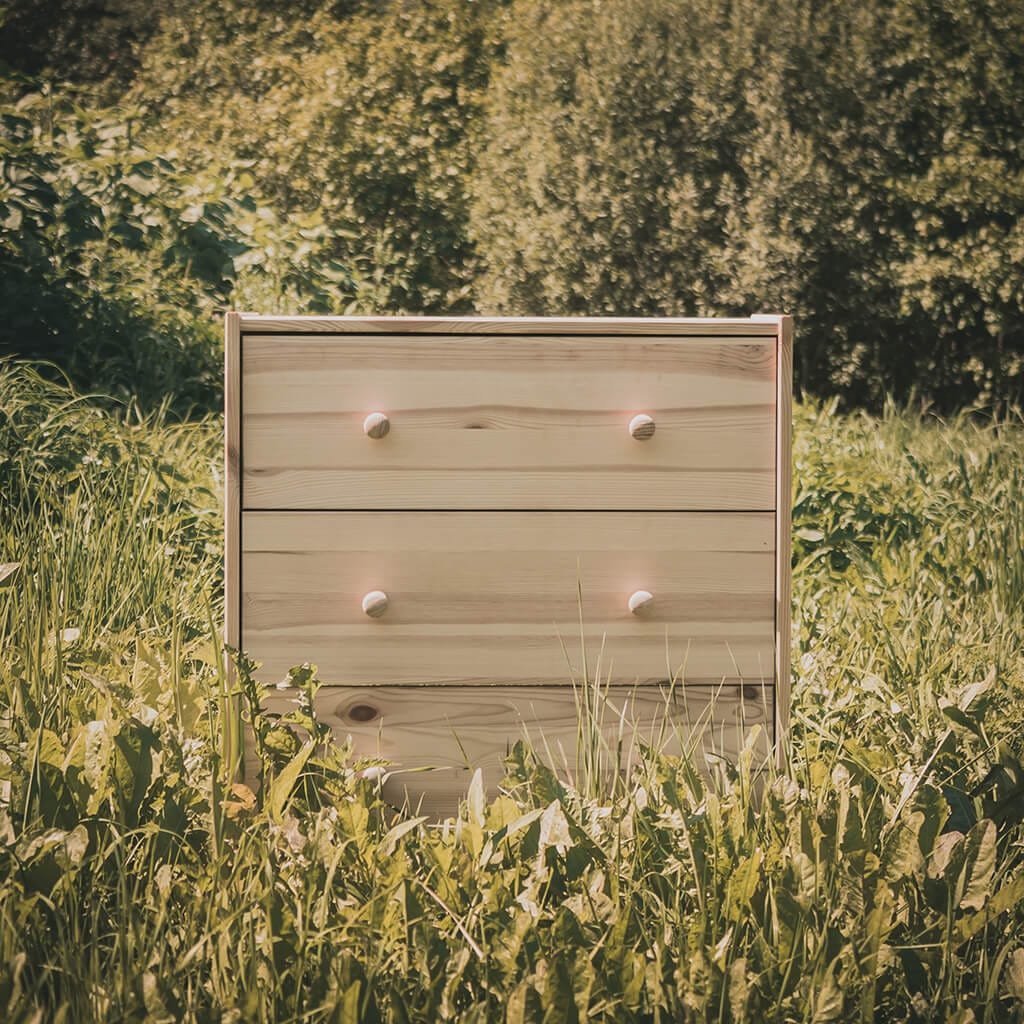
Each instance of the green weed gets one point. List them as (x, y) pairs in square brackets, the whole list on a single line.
[(876, 875)]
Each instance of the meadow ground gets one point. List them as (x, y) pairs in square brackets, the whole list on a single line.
[(879, 876)]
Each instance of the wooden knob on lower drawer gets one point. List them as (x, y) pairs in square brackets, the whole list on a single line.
[(641, 426), (375, 603), (639, 600), (376, 425)]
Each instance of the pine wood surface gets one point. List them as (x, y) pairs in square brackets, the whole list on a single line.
[(504, 477), (492, 596), (232, 477), (455, 730), (718, 327), (527, 423), (784, 526)]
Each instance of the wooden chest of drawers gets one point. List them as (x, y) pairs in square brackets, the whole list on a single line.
[(455, 519)]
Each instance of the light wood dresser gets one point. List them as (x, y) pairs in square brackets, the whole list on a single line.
[(455, 519)]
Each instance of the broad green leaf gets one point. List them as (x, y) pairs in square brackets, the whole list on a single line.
[(283, 784), (348, 1009), (76, 843), (739, 989), (980, 865), (805, 877), (501, 813), (51, 750), (806, 533), (1013, 976), (721, 951), (554, 829), (1007, 898), (742, 884), (523, 821), (963, 1015), (942, 853), (904, 853), (878, 925), (99, 754), (827, 999), (390, 840), (475, 800), (973, 691), (961, 718), (515, 1007), (583, 977)]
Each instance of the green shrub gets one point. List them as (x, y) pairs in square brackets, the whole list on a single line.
[(856, 165), (367, 117), (116, 263)]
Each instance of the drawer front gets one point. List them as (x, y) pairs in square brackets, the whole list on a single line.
[(492, 597), (455, 730), (508, 422)]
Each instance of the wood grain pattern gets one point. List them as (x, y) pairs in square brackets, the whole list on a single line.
[(232, 476), (455, 730), (783, 526), (489, 597), (511, 414), (232, 511), (509, 423), (783, 520), (681, 326)]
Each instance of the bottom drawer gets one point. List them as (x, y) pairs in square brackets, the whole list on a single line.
[(454, 730)]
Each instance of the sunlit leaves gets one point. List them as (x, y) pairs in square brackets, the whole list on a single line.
[(877, 876)]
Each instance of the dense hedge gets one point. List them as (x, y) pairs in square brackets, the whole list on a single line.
[(857, 165), (861, 166)]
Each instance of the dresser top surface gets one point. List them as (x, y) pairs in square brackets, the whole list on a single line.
[(766, 326)]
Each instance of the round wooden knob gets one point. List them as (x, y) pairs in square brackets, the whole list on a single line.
[(376, 425), (639, 600), (375, 603), (641, 426)]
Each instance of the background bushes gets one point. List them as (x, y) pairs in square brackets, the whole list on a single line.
[(857, 165)]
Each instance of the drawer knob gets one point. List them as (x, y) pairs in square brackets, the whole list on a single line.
[(376, 425), (375, 603), (639, 600), (641, 426)]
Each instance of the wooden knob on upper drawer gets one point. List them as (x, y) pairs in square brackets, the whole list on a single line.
[(639, 600), (641, 426), (376, 425), (375, 603)]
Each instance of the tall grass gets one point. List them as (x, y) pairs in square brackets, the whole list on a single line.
[(877, 876)]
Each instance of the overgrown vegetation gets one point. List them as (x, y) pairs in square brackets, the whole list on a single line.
[(859, 165), (115, 261), (878, 877)]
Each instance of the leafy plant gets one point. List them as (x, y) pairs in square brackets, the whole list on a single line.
[(875, 875), (117, 262)]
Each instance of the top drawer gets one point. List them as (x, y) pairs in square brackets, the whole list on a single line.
[(508, 422)]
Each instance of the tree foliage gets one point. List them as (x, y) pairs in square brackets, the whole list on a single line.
[(367, 116), (116, 263), (857, 165), (93, 41), (860, 166)]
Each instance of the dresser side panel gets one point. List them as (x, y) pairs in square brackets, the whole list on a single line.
[(783, 526)]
